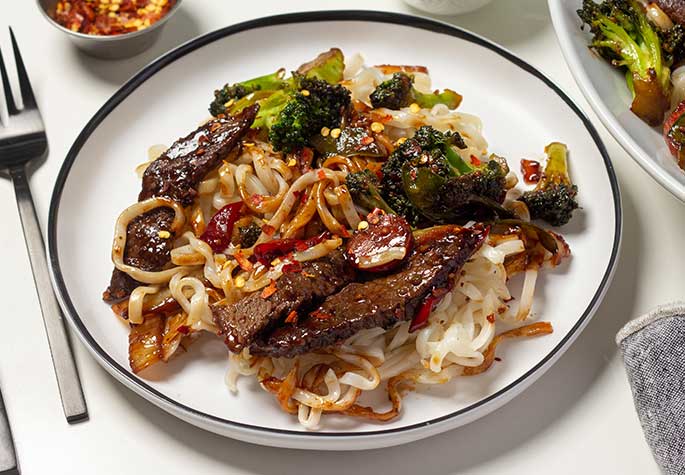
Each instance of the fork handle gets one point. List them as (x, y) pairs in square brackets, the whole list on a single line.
[(8, 456), (73, 402)]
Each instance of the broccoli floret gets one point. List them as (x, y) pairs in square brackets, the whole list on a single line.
[(399, 91), (554, 198), (328, 66), (233, 92), (249, 235), (364, 188), (428, 174), (291, 110), (623, 35), (318, 104)]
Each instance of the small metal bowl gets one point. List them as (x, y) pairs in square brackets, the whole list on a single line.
[(105, 46)]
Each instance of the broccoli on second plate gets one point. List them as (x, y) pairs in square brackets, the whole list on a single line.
[(624, 36), (554, 198), (399, 91)]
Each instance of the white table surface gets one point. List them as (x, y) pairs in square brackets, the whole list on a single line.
[(578, 418)]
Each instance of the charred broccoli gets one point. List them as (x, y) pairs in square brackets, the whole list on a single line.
[(399, 91), (623, 35), (233, 92), (318, 104), (364, 188), (249, 234), (554, 198), (431, 180), (291, 110)]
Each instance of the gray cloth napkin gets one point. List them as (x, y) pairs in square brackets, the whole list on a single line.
[(653, 348)]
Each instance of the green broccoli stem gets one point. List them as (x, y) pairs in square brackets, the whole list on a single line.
[(448, 97), (556, 169), (456, 161)]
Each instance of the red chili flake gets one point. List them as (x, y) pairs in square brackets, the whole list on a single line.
[(490, 318), (185, 329), (292, 317), (200, 151), (268, 230), (256, 200), (345, 233), (292, 267), (243, 262), (320, 314), (269, 290), (367, 140), (475, 161), (321, 174), (203, 139), (215, 126)]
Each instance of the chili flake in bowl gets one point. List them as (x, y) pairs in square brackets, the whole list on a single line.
[(110, 28), (110, 17)]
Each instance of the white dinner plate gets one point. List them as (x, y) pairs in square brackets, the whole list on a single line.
[(605, 89), (522, 111)]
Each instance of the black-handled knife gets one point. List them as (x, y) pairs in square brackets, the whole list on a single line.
[(8, 457)]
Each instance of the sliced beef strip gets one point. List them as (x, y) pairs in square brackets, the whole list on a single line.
[(675, 9), (439, 254), (176, 175), (178, 171), (242, 321)]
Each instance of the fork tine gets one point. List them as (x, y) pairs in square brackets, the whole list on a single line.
[(11, 106), (24, 84)]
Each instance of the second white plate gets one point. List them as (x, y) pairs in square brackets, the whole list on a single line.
[(605, 89)]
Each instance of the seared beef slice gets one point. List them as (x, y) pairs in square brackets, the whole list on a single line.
[(439, 254)]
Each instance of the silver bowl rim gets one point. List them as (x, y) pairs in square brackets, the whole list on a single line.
[(110, 38)]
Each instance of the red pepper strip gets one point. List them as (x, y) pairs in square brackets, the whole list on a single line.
[(420, 320), (268, 251), (220, 227), (674, 133)]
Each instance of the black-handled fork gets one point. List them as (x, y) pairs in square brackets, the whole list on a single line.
[(23, 139)]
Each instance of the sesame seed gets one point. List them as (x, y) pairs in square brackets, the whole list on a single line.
[(240, 281), (325, 131), (414, 108), (292, 162), (304, 92), (362, 225), (275, 262), (377, 127), (113, 7), (229, 103), (164, 234), (335, 133)]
